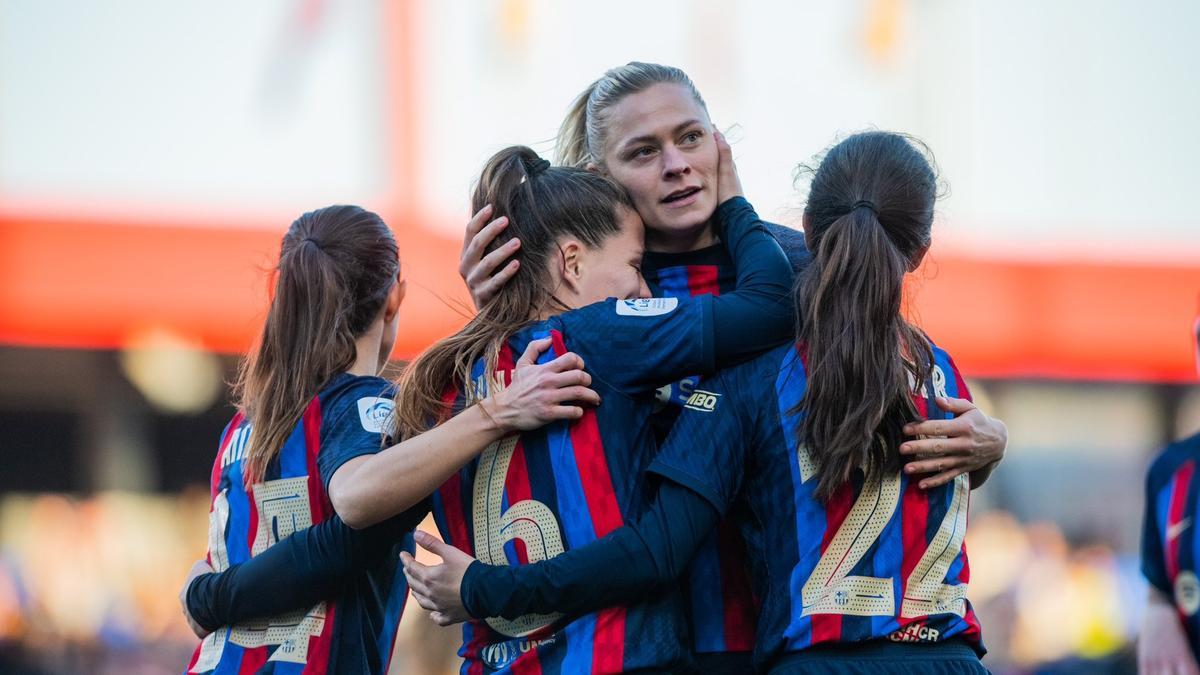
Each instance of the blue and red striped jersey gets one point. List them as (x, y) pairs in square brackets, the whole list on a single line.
[(1170, 547), (532, 496), (721, 607), (353, 632), (880, 560)]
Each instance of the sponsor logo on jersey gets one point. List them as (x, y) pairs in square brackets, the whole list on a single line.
[(502, 654), (915, 632), (647, 306), (704, 401), (376, 414)]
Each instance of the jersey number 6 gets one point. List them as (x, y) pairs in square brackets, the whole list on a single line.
[(529, 520)]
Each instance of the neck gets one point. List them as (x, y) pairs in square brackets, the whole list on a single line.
[(367, 348), (675, 241)]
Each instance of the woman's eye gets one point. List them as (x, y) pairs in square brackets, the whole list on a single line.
[(692, 137), (643, 152)]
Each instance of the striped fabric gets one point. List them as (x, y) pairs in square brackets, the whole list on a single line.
[(244, 521), (532, 496), (880, 560), (721, 605)]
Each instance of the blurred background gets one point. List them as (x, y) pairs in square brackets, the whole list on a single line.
[(152, 154)]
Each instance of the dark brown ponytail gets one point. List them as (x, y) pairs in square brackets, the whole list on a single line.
[(868, 220), (542, 203), (336, 267)]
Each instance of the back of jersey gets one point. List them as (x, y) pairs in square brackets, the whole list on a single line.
[(344, 421), (879, 560)]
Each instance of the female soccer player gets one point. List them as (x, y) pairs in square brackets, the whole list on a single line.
[(857, 566), (647, 127), (561, 486), (312, 415)]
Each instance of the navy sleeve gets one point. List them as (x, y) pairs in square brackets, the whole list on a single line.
[(707, 448), (311, 565), (355, 421), (1154, 566), (793, 245), (618, 568), (639, 344), (759, 314)]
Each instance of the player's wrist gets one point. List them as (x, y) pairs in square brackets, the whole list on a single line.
[(497, 415)]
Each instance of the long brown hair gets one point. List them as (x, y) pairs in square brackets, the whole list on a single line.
[(868, 218), (542, 203), (336, 267), (582, 136)]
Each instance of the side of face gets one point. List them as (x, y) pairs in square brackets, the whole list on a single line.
[(610, 270), (660, 148)]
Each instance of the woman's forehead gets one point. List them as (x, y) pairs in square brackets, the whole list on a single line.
[(656, 111)]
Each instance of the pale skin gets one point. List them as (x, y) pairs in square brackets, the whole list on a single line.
[(368, 489), (660, 145), (1162, 647)]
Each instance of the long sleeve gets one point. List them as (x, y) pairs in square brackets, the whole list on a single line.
[(618, 568), (311, 565), (759, 314)]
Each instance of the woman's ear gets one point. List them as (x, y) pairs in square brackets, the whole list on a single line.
[(572, 264), (394, 299), (594, 168)]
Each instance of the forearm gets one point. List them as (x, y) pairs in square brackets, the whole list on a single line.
[(759, 314), (618, 568), (309, 566), (402, 475)]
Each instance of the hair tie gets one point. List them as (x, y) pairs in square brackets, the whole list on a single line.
[(865, 204), (537, 166)]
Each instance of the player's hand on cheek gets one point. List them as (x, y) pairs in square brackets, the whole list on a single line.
[(543, 393), (437, 588), (1162, 647), (201, 567), (950, 448), (729, 185), (486, 274)]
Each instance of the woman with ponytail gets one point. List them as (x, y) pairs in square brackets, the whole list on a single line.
[(312, 419), (646, 126), (536, 494), (858, 568)]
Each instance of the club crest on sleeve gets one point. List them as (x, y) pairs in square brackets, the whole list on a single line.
[(647, 306), (376, 414)]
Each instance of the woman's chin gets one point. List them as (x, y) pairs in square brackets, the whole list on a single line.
[(682, 230)]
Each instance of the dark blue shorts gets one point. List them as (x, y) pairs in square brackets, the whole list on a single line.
[(883, 657)]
